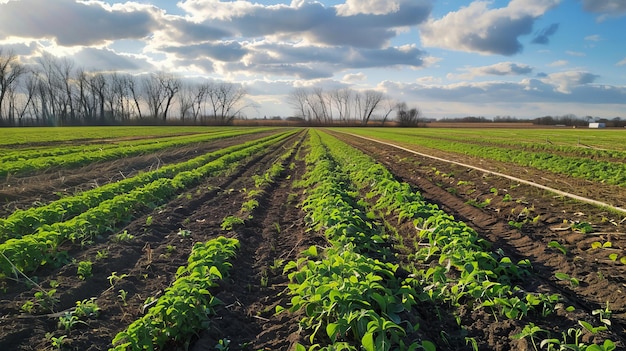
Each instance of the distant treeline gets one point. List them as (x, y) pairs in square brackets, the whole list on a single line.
[(565, 120)]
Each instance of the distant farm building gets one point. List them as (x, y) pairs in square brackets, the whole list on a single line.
[(597, 125)]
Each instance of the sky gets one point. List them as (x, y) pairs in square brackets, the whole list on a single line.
[(519, 58)]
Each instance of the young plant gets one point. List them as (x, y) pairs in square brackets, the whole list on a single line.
[(123, 237), (114, 278), (84, 269), (558, 246), (122, 295), (565, 277), (230, 222)]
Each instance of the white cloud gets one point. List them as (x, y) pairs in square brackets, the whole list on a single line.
[(71, 23), (564, 82), (477, 28), (354, 77), (498, 69), (622, 62), (373, 7), (558, 63), (312, 22)]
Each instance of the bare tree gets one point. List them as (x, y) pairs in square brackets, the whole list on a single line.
[(298, 100), (341, 99), (10, 72), (369, 103), (226, 101), (406, 117)]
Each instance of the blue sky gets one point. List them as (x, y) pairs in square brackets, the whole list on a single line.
[(522, 58)]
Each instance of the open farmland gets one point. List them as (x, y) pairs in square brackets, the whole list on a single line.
[(306, 239)]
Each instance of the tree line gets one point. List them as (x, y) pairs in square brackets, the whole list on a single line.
[(348, 106), (54, 91)]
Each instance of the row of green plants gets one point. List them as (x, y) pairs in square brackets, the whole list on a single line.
[(187, 305), (453, 264), (349, 292), (580, 167), (519, 140), (261, 183), (24, 222), (22, 162), (29, 252), (60, 150), (21, 137)]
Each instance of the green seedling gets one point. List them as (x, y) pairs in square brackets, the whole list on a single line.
[(530, 331), (565, 277), (123, 237), (184, 233), (114, 278), (87, 309), (122, 295), (558, 246), (84, 269), (582, 227), (230, 222)]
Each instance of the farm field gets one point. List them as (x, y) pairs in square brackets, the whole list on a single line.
[(311, 239)]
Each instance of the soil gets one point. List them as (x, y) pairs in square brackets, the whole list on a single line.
[(276, 233)]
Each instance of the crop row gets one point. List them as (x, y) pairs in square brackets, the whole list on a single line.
[(580, 167), (46, 151), (26, 136), (26, 254), (451, 262), (23, 222), (517, 141), (23, 162), (185, 307), (169, 320), (351, 300)]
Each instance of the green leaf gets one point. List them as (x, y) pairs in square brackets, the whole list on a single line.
[(311, 251), (215, 271), (331, 331), (368, 342), (429, 346)]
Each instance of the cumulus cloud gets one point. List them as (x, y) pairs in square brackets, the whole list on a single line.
[(71, 23), (94, 59), (564, 82), (478, 28), (543, 36), (374, 7), (529, 90), (221, 51), (498, 69), (311, 21), (317, 61), (354, 77)]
